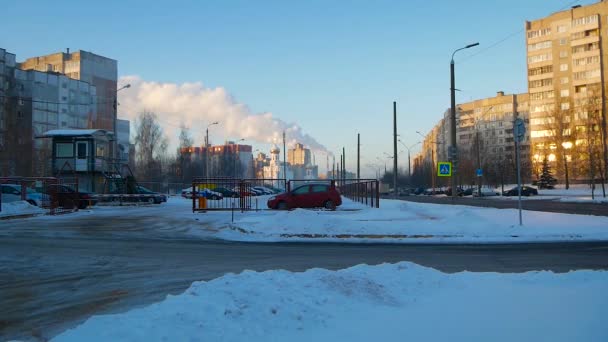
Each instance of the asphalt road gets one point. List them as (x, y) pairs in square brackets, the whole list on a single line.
[(55, 272), (547, 205)]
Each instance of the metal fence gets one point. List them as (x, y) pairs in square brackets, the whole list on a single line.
[(165, 188), (54, 195), (365, 191), (214, 194)]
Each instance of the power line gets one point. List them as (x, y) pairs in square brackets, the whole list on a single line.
[(509, 36)]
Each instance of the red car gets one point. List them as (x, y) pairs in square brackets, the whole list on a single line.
[(307, 196)]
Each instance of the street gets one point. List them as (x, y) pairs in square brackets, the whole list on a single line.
[(56, 272), (547, 205)]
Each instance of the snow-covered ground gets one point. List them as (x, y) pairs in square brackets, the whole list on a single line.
[(409, 222), (19, 208), (389, 302)]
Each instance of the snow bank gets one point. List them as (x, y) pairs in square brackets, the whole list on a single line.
[(19, 208), (389, 302), (400, 221)]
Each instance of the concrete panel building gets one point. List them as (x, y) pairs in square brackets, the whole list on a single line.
[(566, 59), (98, 71)]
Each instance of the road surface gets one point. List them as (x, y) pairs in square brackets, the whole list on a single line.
[(56, 272), (533, 204)]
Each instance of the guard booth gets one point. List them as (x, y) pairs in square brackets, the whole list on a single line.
[(82, 152)]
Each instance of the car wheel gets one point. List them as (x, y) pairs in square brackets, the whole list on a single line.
[(32, 202), (82, 205), (282, 205), (330, 205), (151, 200)]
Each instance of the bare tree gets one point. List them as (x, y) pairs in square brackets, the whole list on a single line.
[(150, 146)]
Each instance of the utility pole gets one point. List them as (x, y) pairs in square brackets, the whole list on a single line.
[(358, 156), (395, 148), (343, 165), (284, 158)]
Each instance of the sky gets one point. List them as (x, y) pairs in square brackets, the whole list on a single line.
[(324, 71)]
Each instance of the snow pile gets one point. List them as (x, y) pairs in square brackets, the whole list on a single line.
[(389, 302), (399, 221), (19, 208)]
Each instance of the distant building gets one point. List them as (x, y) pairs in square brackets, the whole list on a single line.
[(98, 71), (275, 168), (299, 155), (8, 155), (228, 160)]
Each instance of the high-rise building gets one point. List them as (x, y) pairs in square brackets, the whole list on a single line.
[(7, 65), (299, 155), (566, 54), (99, 71)]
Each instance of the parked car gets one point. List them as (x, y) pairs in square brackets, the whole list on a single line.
[(485, 192), (157, 198), (459, 191), (307, 196), (468, 192), (226, 192), (525, 191), (419, 191), (208, 194), (69, 198), (12, 193), (264, 190)]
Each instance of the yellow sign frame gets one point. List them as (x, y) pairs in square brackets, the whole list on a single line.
[(439, 167)]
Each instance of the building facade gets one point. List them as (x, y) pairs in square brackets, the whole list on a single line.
[(299, 155), (566, 60), (7, 157), (485, 141), (98, 71)]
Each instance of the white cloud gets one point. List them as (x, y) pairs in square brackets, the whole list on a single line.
[(196, 106)]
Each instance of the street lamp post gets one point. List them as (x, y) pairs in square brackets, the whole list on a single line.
[(566, 145), (115, 147), (409, 172), (453, 151), (207, 147)]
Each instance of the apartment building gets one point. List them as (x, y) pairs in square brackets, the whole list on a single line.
[(7, 65), (485, 141), (566, 54), (298, 155), (98, 71)]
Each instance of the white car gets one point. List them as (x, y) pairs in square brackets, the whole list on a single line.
[(208, 194), (12, 193), (485, 193)]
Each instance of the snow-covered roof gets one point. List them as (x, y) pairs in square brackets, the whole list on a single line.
[(75, 132)]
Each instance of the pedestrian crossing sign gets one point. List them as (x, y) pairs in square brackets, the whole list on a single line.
[(444, 169)]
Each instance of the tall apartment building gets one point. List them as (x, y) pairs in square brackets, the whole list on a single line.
[(299, 155), (484, 137), (566, 54), (99, 71)]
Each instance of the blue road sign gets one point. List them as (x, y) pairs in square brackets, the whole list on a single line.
[(444, 169), (479, 172)]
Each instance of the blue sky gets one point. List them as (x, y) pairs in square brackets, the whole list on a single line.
[(332, 67)]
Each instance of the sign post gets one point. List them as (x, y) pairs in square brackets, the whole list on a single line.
[(519, 132)]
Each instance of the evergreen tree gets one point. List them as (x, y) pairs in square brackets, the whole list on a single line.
[(546, 181)]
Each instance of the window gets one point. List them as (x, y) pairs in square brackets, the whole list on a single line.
[(564, 93), (563, 67), (81, 150), (581, 75), (541, 70), (584, 20), (540, 58), (541, 83), (565, 105), (563, 54), (585, 47), (542, 95), (64, 98), (567, 132), (563, 41), (100, 150), (539, 33), (320, 188), (562, 28), (564, 80), (586, 60), (541, 45), (301, 190), (540, 134), (64, 150)]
